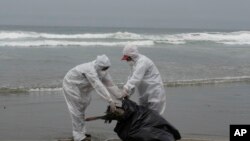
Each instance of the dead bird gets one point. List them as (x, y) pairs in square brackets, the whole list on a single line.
[(109, 116)]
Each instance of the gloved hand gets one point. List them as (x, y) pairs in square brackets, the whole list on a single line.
[(110, 111), (125, 93), (112, 106)]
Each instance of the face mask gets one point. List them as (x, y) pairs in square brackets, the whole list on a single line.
[(131, 63), (103, 73)]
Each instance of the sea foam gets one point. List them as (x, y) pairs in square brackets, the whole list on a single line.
[(36, 39)]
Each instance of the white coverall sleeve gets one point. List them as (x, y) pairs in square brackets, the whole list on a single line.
[(98, 86), (112, 87), (136, 77)]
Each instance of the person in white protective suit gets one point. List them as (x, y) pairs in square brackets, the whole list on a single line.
[(77, 85), (146, 78)]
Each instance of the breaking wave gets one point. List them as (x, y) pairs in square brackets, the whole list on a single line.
[(23, 34), (197, 82), (24, 38), (56, 43), (178, 83)]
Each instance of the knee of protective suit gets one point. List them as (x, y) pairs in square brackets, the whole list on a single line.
[(156, 107)]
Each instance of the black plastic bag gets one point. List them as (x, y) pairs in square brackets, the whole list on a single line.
[(142, 124)]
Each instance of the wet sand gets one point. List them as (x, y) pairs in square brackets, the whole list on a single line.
[(199, 112), (200, 140)]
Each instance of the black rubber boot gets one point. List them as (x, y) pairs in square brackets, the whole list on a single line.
[(87, 138)]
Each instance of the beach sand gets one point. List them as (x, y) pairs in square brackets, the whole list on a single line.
[(199, 140), (44, 115), (178, 140)]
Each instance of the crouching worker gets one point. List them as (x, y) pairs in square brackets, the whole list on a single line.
[(138, 123), (77, 85)]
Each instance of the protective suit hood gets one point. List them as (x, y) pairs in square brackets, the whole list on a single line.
[(101, 62), (131, 51)]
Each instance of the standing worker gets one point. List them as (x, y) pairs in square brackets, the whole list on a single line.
[(77, 85), (146, 78)]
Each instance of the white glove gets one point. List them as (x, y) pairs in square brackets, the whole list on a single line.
[(125, 92)]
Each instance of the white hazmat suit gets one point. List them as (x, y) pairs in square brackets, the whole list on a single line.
[(77, 85), (146, 78)]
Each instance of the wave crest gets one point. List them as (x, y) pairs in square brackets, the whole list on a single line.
[(57, 43), (197, 82), (119, 38)]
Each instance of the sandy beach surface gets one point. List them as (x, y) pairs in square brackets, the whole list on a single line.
[(199, 113), (178, 140), (198, 140), (185, 139)]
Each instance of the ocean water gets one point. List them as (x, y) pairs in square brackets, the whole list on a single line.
[(39, 57), (204, 71)]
